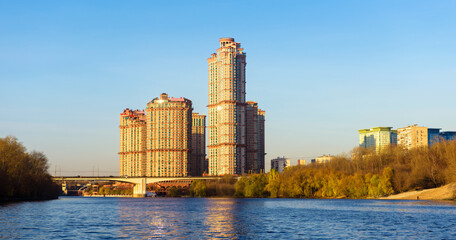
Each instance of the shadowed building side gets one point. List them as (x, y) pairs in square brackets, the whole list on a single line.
[(255, 138), (261, 139), (198, 155), (280, 163)]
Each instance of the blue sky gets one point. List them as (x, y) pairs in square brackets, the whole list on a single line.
[(320, 69)]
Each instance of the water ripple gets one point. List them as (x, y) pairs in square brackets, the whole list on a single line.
[(199, 218)]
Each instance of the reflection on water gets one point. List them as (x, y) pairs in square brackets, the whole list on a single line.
[(220, 218), (199, 218), (160, 217)]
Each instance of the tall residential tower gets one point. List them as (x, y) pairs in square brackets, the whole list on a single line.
[(169, 131), (168, 141), (198, 156), (132, 152), (227, 126)]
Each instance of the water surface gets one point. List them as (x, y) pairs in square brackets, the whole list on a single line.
[(203, 218)]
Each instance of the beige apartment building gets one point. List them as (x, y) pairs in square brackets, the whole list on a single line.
[(132, 152), (166, 140), (169, 131), (227, 133), (377, 138), (414, 136), (198, 155)]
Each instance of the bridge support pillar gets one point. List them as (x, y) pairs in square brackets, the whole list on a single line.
[(139, 190)]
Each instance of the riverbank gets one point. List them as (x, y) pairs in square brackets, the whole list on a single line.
[(12, 199), (110, 195), (446, 192)]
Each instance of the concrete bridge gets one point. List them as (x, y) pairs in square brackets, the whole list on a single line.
[(140, 183)]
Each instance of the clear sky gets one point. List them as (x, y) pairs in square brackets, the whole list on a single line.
[(321, 69)]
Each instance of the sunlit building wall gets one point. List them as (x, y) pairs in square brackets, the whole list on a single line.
[(415, 136), (324, 159), (132, 152), (169, 129), (226, 118), (377, 138)]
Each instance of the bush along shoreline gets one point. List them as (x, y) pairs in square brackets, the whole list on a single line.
[(365, 174), (24, 175)]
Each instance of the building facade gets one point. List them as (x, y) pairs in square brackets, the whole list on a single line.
[(227, 133), (433, 135), (132, 152), (198, 155), (254, 138), (324, 159), (168, 141), (280, 163), (448, 135), (377, 138), (414, 136)]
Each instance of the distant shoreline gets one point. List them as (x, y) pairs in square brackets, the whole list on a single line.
[(14, 200), (444, 193)]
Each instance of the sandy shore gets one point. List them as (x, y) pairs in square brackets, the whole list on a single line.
[(442, 193)]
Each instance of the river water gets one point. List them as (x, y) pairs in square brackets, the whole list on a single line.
[(204, 218)]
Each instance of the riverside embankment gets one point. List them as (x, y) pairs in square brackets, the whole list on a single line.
[(446, 192)]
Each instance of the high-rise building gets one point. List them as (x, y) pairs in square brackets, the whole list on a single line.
[(168, 141), (414, 136), (280, 163), (261, 140), (254, 138), (377, 138), (132, 152), (198, 155), (169, 131), (227, 110)]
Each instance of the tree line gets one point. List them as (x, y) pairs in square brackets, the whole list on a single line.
[(361, 174), (24, 175)]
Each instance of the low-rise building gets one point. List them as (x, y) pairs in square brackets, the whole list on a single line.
[(301, 162), (280, 163), (324, 159)]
